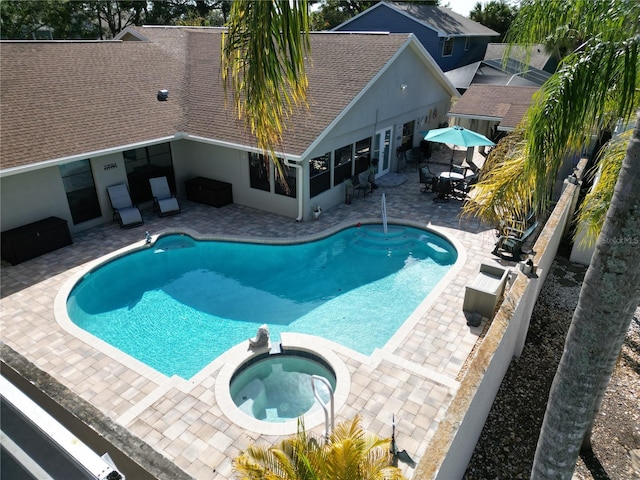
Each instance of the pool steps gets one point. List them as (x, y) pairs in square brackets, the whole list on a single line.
[(396, 240)]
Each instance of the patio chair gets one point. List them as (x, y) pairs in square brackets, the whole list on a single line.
[(124, 211), (412, 158), (427, 177), (164, 202), (442, 189), (360, 186), (469, 178)]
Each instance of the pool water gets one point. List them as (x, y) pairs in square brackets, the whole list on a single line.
[(181, 303), (277, 388)]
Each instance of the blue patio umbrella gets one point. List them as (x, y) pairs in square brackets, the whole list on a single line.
[(458, 136)]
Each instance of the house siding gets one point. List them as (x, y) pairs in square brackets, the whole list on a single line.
[(32, 197), (388, 20), (384, 105)]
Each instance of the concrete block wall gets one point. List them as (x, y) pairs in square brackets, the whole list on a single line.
[(449, 453)]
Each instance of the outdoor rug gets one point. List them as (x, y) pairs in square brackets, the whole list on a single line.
[(391, 180)]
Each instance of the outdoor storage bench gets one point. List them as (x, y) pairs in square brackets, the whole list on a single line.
[(35, 239), (483, 294), (209, 191)]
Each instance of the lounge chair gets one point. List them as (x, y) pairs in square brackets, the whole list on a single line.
[(512, 239), (164, 202), (124, 211)]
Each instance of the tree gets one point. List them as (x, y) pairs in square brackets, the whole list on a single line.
[(350, 453), (49, 20), (92, 19), (496, 14), (594, 85), (118, 15), (332, 13)]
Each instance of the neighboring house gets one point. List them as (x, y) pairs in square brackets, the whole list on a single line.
[(452, 39), (535, 57), (497, 94), (78, 116), (492, 110), (524, 69)]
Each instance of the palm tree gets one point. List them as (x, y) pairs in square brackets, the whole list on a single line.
[(594, 85), (263, 61), (350, 453)]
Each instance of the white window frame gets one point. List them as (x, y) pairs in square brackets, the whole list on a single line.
[(444, 46)]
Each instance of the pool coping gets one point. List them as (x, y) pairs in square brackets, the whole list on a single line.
[(226, 363)]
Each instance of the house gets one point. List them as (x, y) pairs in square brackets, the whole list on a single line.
[(496, 94), (536, 56), (452, 39), (79, 116), (492, 110), (524, 67)]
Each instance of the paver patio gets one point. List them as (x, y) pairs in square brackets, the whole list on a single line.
[(414, 377)]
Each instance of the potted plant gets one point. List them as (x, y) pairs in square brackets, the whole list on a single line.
[(371, 177), (348, 191)]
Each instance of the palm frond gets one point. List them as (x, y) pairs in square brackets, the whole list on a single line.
[(594, 208), (597, 82), (263, 60), (503, 194)]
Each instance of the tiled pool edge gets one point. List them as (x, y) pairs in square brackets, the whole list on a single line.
[(62, 318)]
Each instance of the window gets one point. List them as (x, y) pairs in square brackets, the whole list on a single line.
[(447, 47), (467, 43), (407, 135), (363, 154), (77, 179), (342, 164), (319, 174), (290, 177), (145, 163), (259, 172)]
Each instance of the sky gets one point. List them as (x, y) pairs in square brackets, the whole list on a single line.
[(463, 7)]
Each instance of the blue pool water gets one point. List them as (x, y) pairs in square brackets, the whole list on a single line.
[(181, 303), (277, 388)]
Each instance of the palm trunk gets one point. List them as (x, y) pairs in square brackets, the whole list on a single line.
[(609, 296), (604, 382)]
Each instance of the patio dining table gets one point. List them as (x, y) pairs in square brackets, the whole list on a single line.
[(453, 176)]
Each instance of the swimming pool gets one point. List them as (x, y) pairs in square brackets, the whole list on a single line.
[(180, 303)]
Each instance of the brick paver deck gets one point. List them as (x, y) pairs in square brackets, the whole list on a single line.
[(414, 377)]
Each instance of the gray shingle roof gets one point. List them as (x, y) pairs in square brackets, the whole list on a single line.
[(504, 103), (63, 99), (66, 98), (444, 20)]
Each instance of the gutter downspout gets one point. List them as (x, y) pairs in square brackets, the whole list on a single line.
[(299, 184)]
